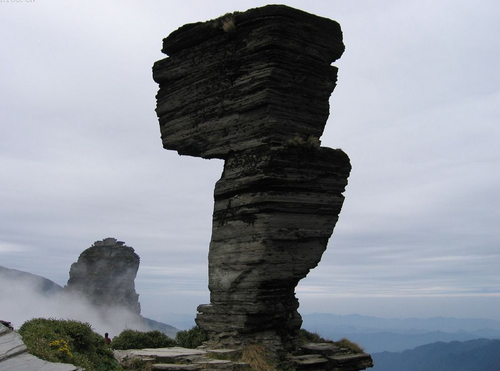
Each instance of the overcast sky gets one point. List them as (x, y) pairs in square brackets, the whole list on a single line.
[(416, 108)]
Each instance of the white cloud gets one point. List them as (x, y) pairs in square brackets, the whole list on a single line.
[(13, 248), (21, 301)]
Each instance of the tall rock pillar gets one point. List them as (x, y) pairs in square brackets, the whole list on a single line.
[(252, 88), (104, 274)]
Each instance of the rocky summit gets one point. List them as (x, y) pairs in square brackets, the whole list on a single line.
[(105, 274), (253, 88)]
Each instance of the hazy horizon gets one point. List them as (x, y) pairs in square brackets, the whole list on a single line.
[(21, 299), (46, 308)]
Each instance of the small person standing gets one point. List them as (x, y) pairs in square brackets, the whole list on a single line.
[(106, 337)]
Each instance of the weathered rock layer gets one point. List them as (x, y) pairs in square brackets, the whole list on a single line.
[(274, 212), (252, 88)]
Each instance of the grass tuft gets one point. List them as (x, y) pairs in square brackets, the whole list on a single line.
[(353, 347), (313, 337), (258, 358), (228, 24)]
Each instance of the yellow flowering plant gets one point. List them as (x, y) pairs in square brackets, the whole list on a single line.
[(62, 347)]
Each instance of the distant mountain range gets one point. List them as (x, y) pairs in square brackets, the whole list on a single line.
[(472, 355), (374, 324), (396, 335)]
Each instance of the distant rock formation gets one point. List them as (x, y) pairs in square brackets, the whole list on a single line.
[(253, 89), (105, 274)]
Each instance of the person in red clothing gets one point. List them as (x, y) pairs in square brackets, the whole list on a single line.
[(106, 337), (7, 324)]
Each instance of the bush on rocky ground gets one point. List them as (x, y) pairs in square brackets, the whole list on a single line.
[(192, 338), (132, 339), (68, 341)]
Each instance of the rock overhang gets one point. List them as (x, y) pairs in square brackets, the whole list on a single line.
[(223, 92)]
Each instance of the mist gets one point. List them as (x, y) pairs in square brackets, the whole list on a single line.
[(22, 299)]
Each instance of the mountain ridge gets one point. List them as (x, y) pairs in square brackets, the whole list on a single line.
[(472, 355), (396, 335), (43, 284), (431, 323)]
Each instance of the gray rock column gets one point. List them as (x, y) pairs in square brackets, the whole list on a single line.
[(105, 275), (252, 88)]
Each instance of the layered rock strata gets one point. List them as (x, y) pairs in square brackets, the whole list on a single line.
[(252, 88), (246, 80), (105, 275)]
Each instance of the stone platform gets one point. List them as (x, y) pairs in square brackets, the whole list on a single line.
[(313, 357)]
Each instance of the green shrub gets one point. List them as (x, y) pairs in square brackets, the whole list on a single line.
[(192, 338), (137, 364), (69, 342), (132, 339)]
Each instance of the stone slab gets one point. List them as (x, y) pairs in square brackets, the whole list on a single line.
[(172, 352), (309, 360), (175, 367), (10, 344), (321, 348), (360, 361)]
